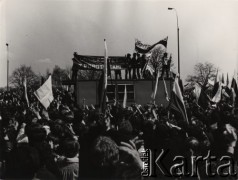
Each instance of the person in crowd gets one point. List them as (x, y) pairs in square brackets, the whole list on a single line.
[(165, 65), (118, 74), (128, 66), (110, 161), (134, 64), (69, 164), (23, 163)]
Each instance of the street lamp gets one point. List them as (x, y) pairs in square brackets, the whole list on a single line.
[(7, 66), (178, 39)]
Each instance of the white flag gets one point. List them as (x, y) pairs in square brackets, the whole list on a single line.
[(45, 94), (217, 96), (125, 98)]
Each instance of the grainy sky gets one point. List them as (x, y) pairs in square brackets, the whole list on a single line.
[(45, 33)]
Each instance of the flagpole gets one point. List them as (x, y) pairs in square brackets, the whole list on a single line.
[(105, 76), (178, 40), (156, 84)]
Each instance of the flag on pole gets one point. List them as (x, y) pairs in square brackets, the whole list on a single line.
[(225, 93), (217, 97), (104, 78), (234, 90), (155, 88), (177, 102), (216, 86), (202, 98), (181, 86), (227, 81), (165, 90), (45, 94), (125, 98), (25, 91), (217, 78), (222, 79)]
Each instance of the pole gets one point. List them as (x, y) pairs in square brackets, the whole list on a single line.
[(178, 54), (7, 68), (178, 39), (178, 43)]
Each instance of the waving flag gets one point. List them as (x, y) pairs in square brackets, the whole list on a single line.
[(217, 97), (227, 81), (45, 94), (177, 102), (234, 90), (222, 79), (145, 48), (25, 92), (216, 86), (202, 98), (217, 78)]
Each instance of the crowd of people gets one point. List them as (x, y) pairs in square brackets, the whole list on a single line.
[(68, 141)]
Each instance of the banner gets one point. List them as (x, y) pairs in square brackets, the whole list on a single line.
[(97, 62)]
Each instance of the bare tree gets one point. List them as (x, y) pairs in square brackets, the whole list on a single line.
[(18, 75), (203, 72), (59, 75), (156, 58), (68, 71), (89, 74)]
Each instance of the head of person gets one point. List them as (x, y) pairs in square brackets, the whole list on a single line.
[(104, 156), (23, 162), (69, 148), (36, 133), (105, 121)]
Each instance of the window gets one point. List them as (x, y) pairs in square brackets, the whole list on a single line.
[(111, 92), (120, 90)]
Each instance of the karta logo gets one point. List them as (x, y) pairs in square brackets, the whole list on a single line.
[(187, 167)]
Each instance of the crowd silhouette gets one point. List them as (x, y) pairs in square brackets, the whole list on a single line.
[(68, 141)]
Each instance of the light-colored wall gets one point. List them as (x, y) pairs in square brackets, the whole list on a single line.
[(88, 90)]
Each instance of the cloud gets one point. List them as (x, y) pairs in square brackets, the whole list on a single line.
[(46, 60)]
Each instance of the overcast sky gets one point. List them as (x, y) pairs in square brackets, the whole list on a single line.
[(45, 33)]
